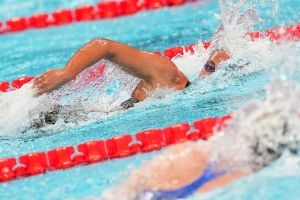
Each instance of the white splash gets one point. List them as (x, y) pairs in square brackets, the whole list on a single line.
[(265, 128), (87, 99), (15, 108), (191, 64)]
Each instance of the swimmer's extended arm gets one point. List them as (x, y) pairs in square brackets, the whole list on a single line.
[(154, 69)]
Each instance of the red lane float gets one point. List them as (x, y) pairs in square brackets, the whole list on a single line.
[(39, 20), (84, 13), (179, 51), (175, 2), (102, 10), (31, 164), (128, 7), (61, 158), (151, 140), (6, 169), (61, 17), (205, 127), (108, 9), (154, 4), (18, 83), (17, 24), (4, 86), (91, 152), (112, 148), (118, 146), (172, 52)]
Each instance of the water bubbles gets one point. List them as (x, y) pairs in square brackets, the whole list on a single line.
[(14, 109), (88, 98), (267, 128)]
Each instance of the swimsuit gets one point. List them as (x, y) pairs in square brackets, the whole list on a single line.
[(183, 192)]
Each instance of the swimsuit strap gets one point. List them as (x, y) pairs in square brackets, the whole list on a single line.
[(185, 191)]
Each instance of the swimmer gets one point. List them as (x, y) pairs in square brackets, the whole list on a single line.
[(198, 167), (154, 70)]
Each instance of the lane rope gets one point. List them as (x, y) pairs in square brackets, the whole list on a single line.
[(96, 151), (87, 12)]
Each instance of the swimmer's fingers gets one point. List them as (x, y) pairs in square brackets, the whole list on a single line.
[(38, 80), (40, 85), (38, 89), (48, 81), (41, 88), (41, 91)]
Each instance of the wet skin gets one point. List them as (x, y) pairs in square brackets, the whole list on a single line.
[(178, 166), (154, 70)]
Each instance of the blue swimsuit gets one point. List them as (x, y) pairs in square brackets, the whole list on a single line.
[(183, 192)]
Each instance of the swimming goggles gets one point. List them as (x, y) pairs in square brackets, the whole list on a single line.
[(210, 67)]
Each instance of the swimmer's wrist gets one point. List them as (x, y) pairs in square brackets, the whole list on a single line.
[(67, 75)]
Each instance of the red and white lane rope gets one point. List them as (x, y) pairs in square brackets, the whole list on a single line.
[(102, 10), (100, 150), (274, 34)]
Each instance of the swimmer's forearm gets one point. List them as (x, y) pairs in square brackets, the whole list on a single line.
[(86, 56), (153, 69), (141, 64)]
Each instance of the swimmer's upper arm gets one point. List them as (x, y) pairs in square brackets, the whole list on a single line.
[(151, 67)]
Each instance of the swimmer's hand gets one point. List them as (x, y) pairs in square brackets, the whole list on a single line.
[(50, 80)]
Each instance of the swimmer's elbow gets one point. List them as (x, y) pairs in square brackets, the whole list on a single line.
[(99, 41), (102, 45), (108, 45)]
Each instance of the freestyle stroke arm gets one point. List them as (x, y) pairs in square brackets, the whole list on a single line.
[(154, 70)]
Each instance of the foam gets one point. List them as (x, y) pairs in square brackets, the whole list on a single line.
[(265, 128), (96, 98), (15, 108)]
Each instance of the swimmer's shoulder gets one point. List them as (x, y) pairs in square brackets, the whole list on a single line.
[(181, 81)]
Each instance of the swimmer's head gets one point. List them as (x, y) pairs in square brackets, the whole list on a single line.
[(214, 61)]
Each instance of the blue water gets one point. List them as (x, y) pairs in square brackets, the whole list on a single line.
[(34, 51)]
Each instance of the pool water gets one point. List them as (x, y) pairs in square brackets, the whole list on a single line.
[(34, 51)]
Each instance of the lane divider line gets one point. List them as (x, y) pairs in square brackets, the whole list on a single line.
[(87, 12), (96, 151)]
